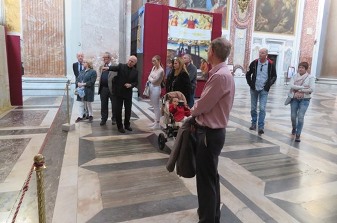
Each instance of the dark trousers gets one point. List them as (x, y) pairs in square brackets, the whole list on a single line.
[(127, 113), (105, 96), (209, 146)]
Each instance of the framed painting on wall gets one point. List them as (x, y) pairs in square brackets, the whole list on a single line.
[(275, 16)]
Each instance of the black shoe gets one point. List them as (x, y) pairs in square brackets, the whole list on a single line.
[(298, 138), (84, 115), (113, 122), (253, 127), (121, 130), (128, 128), (78, 119), (293, 131), (87, 117), (90, 118), (102, 123), (261, 131)]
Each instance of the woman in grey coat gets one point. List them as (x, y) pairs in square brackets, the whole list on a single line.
[(86, 80)]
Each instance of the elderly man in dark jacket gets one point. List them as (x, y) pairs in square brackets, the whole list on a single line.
[(260, 77), (126, 79)]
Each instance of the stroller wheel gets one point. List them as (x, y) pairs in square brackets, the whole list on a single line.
[(161, 141)]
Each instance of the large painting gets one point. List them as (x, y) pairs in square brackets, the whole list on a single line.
[(215, 6), (275, 16), (189, 33)]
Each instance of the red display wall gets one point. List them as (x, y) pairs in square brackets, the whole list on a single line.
[(14, 69), (156, 31)]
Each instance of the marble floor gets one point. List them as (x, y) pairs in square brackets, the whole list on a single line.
[(95, 174)]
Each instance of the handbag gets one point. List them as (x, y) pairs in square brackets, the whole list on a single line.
[(80, 92), (147, 90), (287, 101)]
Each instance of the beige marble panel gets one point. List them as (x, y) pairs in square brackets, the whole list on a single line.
[(4, 82), (43, 38)]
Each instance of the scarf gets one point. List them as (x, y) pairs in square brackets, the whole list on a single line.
[(299, 81)]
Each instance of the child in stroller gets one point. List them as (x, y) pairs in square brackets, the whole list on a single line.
[(179, 110), (172, 121)]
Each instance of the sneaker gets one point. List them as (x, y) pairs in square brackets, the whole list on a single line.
[(90, 118), (78, 119), (253, 127), (155, 126), (261, 131), (298, 139), (293, 131)]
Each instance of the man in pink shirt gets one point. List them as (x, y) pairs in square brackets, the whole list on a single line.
[(211, 113)]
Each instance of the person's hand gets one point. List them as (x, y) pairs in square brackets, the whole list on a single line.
[(105, 68), (79, 84), (127, 85)]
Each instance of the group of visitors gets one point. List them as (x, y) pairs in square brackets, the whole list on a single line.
[(115, 85), (210, 114)]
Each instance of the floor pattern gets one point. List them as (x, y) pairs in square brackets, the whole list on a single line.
[(99, 175)]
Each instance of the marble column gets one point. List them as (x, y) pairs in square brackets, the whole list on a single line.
[(240, 35)]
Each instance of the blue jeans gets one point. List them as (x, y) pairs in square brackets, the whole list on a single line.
[(191, 101), (298, 108), (262, 97)]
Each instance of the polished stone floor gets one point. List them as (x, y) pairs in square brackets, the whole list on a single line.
[(95, 174)]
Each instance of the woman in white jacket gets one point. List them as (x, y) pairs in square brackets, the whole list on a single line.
[(301, 86), (155, 78)]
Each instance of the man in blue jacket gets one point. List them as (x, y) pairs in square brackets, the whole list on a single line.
[(260, 77)]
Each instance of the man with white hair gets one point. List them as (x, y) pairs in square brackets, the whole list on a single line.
[(260, 77)]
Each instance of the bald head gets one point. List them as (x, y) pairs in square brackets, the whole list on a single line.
[(132, 61)]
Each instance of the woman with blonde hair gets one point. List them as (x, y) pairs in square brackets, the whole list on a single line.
[(179, 80), (86, 80), (155, 78)]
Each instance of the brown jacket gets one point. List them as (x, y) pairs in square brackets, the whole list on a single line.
[(183, 153)]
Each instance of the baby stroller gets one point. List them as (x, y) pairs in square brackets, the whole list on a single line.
[(171, 126)]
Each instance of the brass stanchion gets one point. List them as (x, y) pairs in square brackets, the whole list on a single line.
[(68, 127), (39, 167)]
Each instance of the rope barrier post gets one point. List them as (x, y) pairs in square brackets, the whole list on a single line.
[(68, 127), (39, 168)]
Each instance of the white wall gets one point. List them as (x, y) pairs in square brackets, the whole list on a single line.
[(94, 27)]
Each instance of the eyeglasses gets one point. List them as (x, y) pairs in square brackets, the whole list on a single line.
[(261, 67)]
